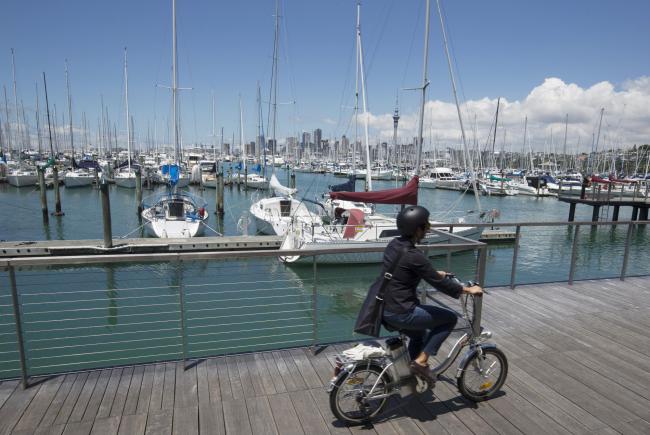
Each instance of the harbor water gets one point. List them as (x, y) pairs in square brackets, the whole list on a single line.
[(83, 317)]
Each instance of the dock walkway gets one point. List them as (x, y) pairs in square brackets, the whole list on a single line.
[(579, 363)]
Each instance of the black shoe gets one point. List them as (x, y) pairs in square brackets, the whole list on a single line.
[(423, 371)]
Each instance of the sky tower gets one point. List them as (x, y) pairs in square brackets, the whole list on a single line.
[(395, 122)]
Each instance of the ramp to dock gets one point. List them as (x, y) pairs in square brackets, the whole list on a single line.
[(579, 363)]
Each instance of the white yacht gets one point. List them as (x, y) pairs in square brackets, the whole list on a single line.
[(175, 216), (78, 178), (22, 177)]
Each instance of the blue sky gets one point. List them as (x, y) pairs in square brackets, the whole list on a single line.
[(501, 48)]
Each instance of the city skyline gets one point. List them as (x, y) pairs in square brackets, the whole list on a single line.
[(550, 61)]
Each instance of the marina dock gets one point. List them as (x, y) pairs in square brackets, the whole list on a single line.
[(137, 246), (579, 363)]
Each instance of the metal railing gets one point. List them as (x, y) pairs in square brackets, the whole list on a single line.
[(64, 314), (69, 313)]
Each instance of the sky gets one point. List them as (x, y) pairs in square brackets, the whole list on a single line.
[(543, 60)]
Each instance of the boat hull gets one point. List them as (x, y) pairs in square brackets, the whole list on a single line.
[(22, 180)]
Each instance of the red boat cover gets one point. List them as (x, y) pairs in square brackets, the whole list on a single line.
[(401, 195), (354, 220), (596, 179)]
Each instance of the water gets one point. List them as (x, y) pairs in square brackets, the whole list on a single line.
[(101, 316)]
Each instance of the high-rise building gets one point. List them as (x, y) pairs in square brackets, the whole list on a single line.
[(318, 136), (306, 139)]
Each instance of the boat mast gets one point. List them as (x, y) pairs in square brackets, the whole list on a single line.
[(38, 124), (7, 123), (49, 125), (460, 118), (594, 143), (363, 99), (276, 47), (260, 131), (425, 83), (13, 69), (566, 129), (128, 123), (214, 137), (175, 85), (67, 84), (241, 132)]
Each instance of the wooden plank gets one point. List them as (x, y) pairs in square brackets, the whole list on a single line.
[(134, 424), (246, 378), (169, 387), (106, 426), (274, 373), (214, 388), (57, 429), (6, 388), (431, 416), (71, 400), (155, 402), (145, 390), (39, 405), (186, 421), (122, 392), (78, 428), (640, 427), (225, 389), (257, 365), (109, 395), (131, 404), (289, 373), (233, 376), (13, 408), (312, 422), (284, 414), (211, 419), (84, 397), (98, 394), (61, 395), (321, 401), (160, 422), (236, 417), (605, 387), (260, 417), (308, 373), (186, 388)]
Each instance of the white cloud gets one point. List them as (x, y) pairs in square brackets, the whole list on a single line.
[(626, 120)]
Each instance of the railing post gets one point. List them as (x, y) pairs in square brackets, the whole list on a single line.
[(181, 303), (628, 239), (482, 262), (19, 327), (574, 255), (314, 304), (515, 255)]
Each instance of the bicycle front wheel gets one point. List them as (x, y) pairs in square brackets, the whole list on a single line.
[(483, 375), (351, 400)]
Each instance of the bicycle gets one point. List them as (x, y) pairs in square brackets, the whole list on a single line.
[(360, 389)]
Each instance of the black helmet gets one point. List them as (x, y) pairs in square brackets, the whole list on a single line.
[(412, 218)]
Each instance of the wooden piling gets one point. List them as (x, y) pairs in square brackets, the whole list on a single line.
[(219, 189), (293, 180), (138, 189), (106, 214), (615, 214), (246, 178), (57, 193), (41, 185), (635, 213), (572, 211)]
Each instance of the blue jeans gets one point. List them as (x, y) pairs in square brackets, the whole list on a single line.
[(427, 327)]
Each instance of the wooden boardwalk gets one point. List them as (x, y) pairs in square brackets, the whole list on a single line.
[(579, 363)]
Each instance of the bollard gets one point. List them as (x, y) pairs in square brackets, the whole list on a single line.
[(246, 178), (239, 179), (106, 214), (220, 209), (96, 178), (138, 190), (293, 180), (41, 185), (57, 193)]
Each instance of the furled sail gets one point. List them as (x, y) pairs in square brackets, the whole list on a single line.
[(401, 195), (279, 189)]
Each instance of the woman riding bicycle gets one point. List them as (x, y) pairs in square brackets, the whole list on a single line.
[(427, 326)]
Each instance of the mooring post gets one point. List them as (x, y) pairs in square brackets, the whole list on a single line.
[(106, 214), (595, 214), (57, 193), (138, 189), (574, 254), (572, 211), (293, 180), (246, 178), (515, 254), (220, 209), (615, 213), (41, 186), (635, 213), (643, 214)]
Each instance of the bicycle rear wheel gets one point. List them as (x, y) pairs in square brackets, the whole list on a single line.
[(349, 400), (482, 376)]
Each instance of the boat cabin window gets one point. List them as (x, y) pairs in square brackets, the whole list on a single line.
[(389, 233), (285, 207), (176, 209)]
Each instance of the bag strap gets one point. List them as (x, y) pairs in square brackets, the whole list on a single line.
[(388, 275)]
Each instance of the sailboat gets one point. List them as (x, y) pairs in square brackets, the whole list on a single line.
[(352, 221), (277, 214), (125, 177), (175, 214), (75, 177)]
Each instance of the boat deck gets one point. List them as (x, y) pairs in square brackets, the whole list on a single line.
[(579, 363)]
